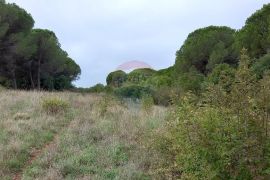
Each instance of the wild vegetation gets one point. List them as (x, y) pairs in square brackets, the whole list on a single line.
[(31, 58), (98, 137), (205, 54), (206, 117)]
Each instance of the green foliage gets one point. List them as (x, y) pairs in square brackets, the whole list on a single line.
[(261, 66), (223, 134), (98, 88), (163, 96), (32, 58), (158, 81), (54, 106), (116, 79), (140, 75), (224, 75), (191, 81), (204, 48), (255, 34), (119, 155), (132, 91)]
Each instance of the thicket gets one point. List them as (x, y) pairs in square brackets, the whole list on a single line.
[(221, 134)]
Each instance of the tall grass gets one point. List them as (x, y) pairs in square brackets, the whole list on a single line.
[(96, 138)]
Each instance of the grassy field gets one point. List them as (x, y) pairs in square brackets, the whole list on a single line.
[(94, 137)]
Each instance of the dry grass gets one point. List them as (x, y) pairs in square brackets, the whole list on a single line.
[(95, 140)]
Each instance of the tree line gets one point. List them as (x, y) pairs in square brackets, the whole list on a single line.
[(206, 55), (31, 58)]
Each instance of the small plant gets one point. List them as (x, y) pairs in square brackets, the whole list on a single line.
[(54, 105), (104, 105), (147, 103)]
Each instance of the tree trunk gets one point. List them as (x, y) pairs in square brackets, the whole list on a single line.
[(38, 73), (31, 76), (14, 79), (32, 81)]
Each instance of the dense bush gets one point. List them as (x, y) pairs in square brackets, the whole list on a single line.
[(255, 34), (190, 81), (98, 88), (54, 105), (220, 135), (158, 81), (132, 91), (222, 74), (140, 75), (116, 79), (261, 65), (163, 96)]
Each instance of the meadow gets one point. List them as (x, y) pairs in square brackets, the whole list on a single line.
[(88, 137)]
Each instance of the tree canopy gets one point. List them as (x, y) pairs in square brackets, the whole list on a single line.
[(255, 35), (116, 78), (204, 48), (32, 58)]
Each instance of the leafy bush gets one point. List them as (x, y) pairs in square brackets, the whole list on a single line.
[(133, 91), (224, 75), (54, 105), (191, 81), (159, 81), (221, 135), (140, 75), (163, 96), (98, 88), (116, 79), (261, 66)]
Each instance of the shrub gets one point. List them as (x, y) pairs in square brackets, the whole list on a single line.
[(54, 105), (140, 75), (222, 135), (116, 79), (163, 96), (190, 81), (147, 103), (104, 104), (261, 66), (133, 91), (222, 74), (209, 143), (98, 88)]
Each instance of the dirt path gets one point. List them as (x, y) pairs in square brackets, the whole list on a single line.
[(38, 152)]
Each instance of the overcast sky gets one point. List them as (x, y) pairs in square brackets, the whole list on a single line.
[(102, 34)]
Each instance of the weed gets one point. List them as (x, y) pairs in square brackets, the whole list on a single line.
[(55, 105), (147, 103)]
